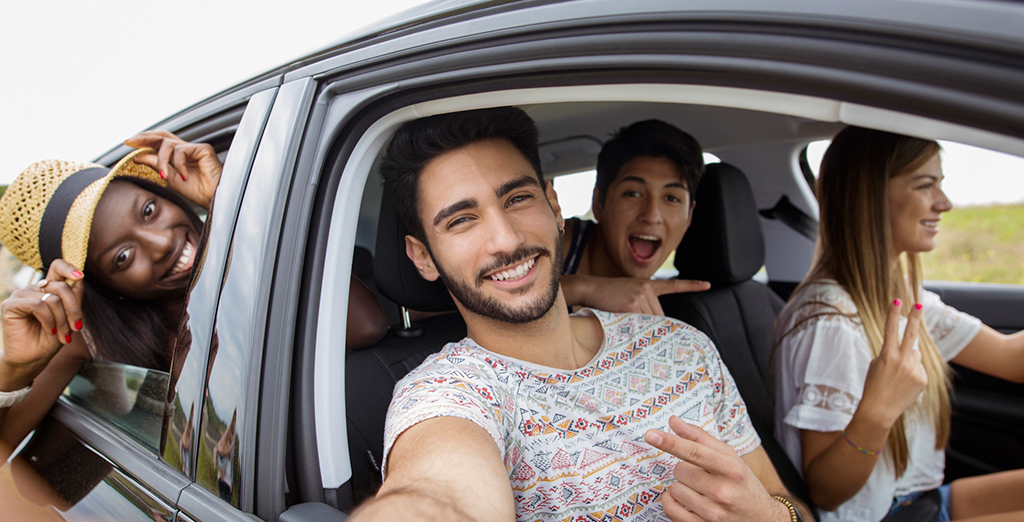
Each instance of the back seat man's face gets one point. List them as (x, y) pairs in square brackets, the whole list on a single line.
[(493, 232)]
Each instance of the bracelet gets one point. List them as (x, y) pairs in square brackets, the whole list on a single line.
[(860, 449), (794, 515), (8, 399)]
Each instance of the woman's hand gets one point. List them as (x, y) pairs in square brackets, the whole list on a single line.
[(37, 322), (896, 377), (191, 169)]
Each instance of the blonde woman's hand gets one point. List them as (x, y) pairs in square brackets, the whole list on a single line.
[(897, 376), (37, 322), (191, 169)]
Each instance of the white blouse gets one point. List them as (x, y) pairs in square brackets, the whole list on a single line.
[(820, 370)]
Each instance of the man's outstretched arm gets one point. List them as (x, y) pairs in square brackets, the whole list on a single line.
[(714, 483), (445, 468)]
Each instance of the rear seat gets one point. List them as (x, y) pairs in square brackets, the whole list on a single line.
[(725, 246)]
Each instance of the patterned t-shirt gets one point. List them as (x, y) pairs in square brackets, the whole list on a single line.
[(573, 440)]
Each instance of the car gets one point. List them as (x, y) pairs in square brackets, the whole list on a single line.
[(267, 416)]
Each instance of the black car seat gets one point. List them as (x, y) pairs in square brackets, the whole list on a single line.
[(371, 373), (725, 246)]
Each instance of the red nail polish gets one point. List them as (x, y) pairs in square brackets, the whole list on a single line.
[(918, 306), (78, 324), (67, 338), (182, 176), (162, 175), (897, 302), (54, 332), (76, 273)]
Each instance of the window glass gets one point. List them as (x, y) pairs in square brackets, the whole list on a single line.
[(981, 239), (130, 397)]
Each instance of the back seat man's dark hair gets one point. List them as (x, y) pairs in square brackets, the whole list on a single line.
[(654, 139), (417, 142)]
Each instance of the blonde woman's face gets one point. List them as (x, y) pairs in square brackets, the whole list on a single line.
[(916, 204)]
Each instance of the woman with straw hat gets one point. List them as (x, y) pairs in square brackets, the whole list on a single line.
[(132, 230)]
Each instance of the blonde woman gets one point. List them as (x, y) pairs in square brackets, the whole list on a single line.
[(861, 375)]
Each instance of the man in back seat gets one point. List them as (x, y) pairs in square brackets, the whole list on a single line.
[(536, 414)]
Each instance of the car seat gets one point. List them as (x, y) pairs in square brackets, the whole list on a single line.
[(725, 246), (371, 373)]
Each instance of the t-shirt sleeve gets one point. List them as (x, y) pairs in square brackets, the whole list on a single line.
[(951, 329), (443, 391), (734, 426), (832, 356)]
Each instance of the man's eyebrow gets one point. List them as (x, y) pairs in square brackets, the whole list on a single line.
[(521, 181), (458, 206), (638, 179), (677, 184)]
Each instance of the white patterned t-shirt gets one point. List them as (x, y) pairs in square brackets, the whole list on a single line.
[(572, 440)]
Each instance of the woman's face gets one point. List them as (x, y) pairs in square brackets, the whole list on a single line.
[(141, 245), (916, 202)]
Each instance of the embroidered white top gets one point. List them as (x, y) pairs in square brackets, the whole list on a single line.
[(819, 379)]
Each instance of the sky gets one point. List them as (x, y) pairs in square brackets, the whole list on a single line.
[(80, 77)]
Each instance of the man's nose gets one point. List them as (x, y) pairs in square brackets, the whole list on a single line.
[(651, 211), (504, 235)]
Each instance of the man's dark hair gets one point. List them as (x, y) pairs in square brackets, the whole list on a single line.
[(655, 139), (419, 141)]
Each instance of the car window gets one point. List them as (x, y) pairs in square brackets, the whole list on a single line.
[(129, 397), (981, 239)]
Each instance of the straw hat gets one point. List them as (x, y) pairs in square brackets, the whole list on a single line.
[(46, 213)]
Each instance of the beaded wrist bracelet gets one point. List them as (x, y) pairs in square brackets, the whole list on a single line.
[(860, 449)]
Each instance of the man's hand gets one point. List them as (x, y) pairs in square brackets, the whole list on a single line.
[(712, 482), (191, 169), (625, 294)]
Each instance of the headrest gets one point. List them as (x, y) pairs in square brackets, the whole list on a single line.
[(724, 244), (396, 276)]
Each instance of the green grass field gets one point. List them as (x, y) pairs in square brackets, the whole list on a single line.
[(979, 244)]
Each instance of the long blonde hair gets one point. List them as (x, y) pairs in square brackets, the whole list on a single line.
[(855, 248)]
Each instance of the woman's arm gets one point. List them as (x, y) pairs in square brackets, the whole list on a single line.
[(191, 169), (834, 469), (366, 323), (997, 354), (39, 346)]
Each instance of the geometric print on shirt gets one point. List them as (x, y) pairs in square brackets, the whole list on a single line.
[(573, 440)]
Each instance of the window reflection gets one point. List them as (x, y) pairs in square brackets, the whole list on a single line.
[(130, 397)]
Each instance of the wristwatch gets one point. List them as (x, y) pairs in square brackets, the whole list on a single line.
[(794, 513), (8, 399)]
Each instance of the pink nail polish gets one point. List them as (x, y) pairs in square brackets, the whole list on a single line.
[(897, 302), (76, 273), (918, 306)]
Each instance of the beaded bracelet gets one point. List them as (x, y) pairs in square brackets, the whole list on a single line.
[(860, 449)]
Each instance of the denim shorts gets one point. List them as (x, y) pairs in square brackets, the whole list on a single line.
[(899, 502)]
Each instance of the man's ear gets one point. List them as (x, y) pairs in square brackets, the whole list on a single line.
[(596, 205), (692, 206), (549, 191), (420, 256)]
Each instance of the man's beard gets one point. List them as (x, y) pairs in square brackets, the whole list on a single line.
[(477, 302)]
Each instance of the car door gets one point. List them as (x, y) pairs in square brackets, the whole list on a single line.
[(988, 413), (108, 450)]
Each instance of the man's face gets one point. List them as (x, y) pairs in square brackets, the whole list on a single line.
[(644, 215), (493, 232)]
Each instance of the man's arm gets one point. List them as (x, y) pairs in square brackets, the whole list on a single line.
[(445, 468), (714, 483)]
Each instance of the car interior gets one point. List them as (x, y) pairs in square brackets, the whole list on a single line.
[(756, 214)]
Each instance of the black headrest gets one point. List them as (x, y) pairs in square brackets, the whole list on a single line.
[(394, 273), (724, 244)]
